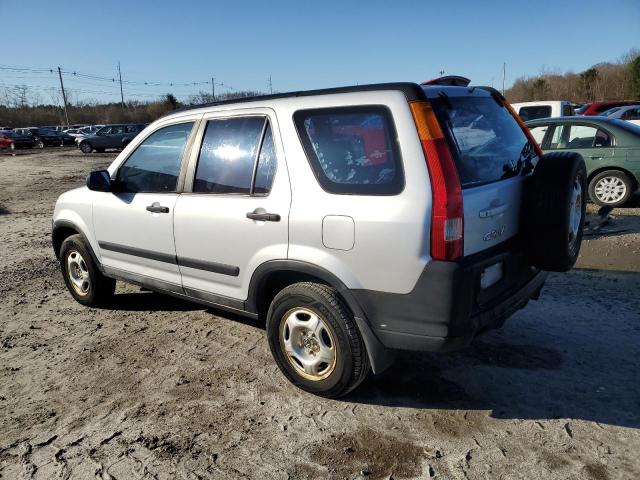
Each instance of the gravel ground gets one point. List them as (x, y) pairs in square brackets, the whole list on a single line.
[(159, 388)]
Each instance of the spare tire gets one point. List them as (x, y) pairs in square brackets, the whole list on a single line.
[(553, 211)]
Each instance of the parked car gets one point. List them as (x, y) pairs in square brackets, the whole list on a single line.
[(43, 137), (630, 113), (545, 109), (597, 108), (6, 128), (14, 140), (393, 222), (109, 136), (609, 146)]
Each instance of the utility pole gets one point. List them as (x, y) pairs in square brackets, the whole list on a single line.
[(213, 88), (270, 85), (64, 97), (504, 74), (121, 92)]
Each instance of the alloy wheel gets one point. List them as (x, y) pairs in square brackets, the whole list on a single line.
[(610, 189)]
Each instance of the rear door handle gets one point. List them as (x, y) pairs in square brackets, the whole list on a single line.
[(260, 214), (597, 157), (155, 207)]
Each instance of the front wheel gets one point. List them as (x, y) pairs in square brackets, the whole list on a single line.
[(315, 341), (39, 143), (85, 147), (84, 280), (611, 188)]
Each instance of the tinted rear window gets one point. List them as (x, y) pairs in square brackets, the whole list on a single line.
[(352, 150), (488, 141), (534, 112)]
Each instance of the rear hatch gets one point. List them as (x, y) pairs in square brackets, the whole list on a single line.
[(491, 153)]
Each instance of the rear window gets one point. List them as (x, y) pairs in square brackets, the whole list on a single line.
[(488, 141), (352, 150), (534, 112)]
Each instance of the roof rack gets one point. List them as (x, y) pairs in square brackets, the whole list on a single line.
[(412, 91)]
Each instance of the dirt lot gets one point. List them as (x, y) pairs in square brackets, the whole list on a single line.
[(158, 388)]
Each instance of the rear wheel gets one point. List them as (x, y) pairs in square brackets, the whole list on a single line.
[(39, 143), (554, 211), (314, 340), (85, 147), (611, 188), (81, 275)]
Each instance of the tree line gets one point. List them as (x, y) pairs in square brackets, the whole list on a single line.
[(18, 112), (618, 80)]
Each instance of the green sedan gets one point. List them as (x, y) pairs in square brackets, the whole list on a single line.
[(610, 148)]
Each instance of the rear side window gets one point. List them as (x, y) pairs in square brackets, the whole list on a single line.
[(535, 112), (487, 140), (352, 150), (228, 155), (582, 136), (155, 165), (539, 132)]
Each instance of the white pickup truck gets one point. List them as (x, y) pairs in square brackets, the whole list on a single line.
[(534, 110)]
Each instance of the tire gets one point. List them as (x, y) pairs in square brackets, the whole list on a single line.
[(12, 146), (39, 143), (85, 147), (291, 319), (554, 211), (611, 188), (84, 280)]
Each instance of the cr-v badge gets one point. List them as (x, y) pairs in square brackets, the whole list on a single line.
[(493, 234)]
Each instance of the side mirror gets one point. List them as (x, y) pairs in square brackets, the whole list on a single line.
[(99, 181)]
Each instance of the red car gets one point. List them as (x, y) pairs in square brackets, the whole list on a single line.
[(13, 140), (597, 108)]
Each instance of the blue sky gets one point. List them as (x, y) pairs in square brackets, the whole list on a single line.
[(304, 44)]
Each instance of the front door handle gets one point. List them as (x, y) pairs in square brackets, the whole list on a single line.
[(261, 215), (597, 157), (155, 207)]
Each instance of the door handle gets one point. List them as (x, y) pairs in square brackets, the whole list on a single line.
[(261, 215), (492, 212), (155, 207), (597, 157)]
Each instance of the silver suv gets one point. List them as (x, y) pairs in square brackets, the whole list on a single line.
[(355, 221)]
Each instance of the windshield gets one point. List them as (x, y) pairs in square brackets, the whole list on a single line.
[(489, 141), (609, 112)]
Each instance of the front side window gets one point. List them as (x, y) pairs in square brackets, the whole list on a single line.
[(352, 150), (155, 164), (557, 140), (228, 154)]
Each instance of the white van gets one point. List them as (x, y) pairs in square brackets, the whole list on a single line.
[(534, 110)]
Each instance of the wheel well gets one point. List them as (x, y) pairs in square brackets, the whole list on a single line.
[(59, 235), (274, 282), (604, 169)]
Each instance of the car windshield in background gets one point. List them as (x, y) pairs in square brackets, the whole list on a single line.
[(535, 112), (489, 141)]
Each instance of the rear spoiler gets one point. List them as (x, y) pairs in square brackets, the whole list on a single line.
[(449, 80)]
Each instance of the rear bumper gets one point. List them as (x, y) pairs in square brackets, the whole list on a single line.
[(447, 307)]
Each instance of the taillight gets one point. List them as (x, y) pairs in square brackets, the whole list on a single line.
[(447, 225)]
